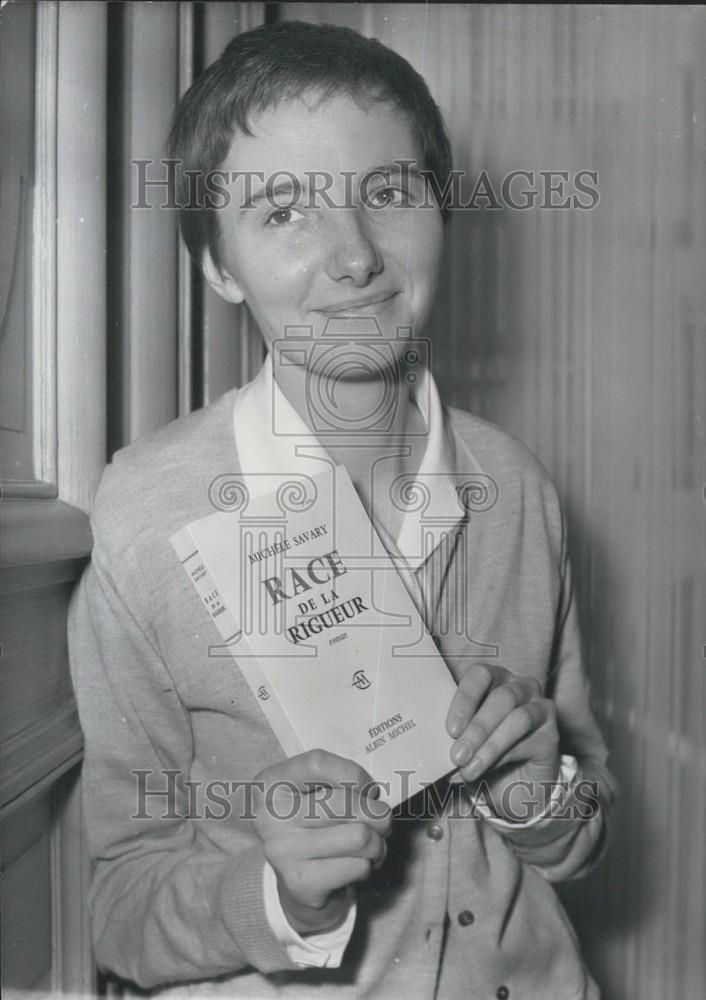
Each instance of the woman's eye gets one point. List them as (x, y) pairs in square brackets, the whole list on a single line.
[(283, 216), (386, 197)]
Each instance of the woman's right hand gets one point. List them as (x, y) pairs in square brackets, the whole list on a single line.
[(322, 829)]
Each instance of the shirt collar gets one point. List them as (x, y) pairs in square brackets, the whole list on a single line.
[(272, 439)]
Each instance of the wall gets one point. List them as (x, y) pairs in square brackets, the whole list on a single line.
[(582, 332), (173, 344), (52, 436)]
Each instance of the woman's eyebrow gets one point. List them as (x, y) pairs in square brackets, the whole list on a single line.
[(269, 192), (395, 168)]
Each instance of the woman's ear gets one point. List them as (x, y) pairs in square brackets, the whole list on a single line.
[(219, 280)]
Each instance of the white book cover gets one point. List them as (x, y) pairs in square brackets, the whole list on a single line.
[(312, 608)]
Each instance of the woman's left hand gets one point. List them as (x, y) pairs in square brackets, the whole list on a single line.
[(505, 731)]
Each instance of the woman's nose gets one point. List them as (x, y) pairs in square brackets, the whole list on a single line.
[(354, 254)]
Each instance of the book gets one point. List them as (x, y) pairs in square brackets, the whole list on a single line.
[(312, 608)]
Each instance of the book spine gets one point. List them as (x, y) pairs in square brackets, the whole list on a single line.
[(198, 572)]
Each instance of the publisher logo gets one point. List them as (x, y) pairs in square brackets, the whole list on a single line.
[(360, 680), (262, 693)]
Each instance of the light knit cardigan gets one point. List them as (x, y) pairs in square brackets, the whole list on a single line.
[(179, 901)]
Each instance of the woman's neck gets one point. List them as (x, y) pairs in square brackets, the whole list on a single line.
[(378, 430)]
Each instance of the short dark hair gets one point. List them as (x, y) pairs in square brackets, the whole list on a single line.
[(277, 62)]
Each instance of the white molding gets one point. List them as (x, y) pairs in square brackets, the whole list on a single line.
[(35, 531), (39, 755), (81, 245), (73, 970), (45, 540), (44, 251), (40, 575), (41, 332), (150, 345)]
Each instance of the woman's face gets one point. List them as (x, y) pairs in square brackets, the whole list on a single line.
[(313, 234)]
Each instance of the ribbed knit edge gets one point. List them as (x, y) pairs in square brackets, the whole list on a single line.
[(243, 910)]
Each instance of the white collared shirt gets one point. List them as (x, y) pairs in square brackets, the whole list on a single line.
[(271, 437)]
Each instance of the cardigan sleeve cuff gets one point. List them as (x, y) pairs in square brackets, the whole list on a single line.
[(242, 907), (562, 789), (323, 950)]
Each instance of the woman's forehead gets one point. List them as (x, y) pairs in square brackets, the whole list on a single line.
[(336, 133)]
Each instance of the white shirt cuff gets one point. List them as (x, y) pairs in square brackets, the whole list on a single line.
[(568, 769), (325, 950)]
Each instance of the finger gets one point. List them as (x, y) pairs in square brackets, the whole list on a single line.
[(331, 806), (323, 806), (514, 729), (540, 745), (317, 767), (498, 704), (535, 748), (353, 840), (313, 882), (472, 689)]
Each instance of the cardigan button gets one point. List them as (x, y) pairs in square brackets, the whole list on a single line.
[(465, 918), (502, 993), (435, 832)]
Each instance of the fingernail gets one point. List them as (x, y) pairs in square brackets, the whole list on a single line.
[(461, 753), (456, 725)]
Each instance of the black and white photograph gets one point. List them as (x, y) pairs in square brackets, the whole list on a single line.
[(352, 500)]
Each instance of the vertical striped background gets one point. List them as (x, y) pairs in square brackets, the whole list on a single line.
[(583, 333)]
